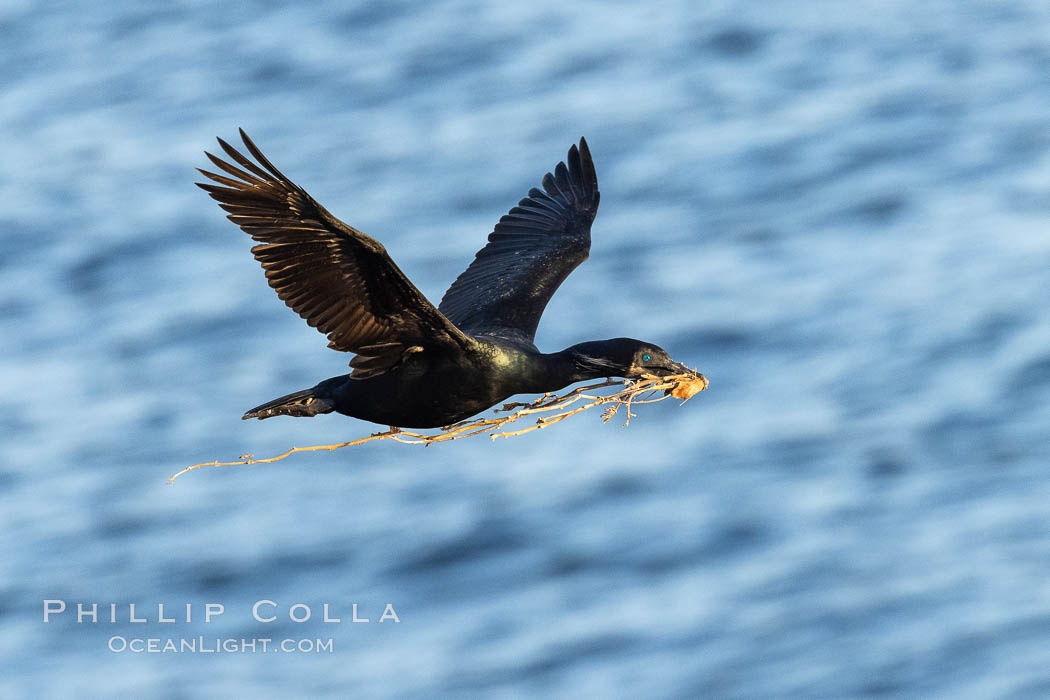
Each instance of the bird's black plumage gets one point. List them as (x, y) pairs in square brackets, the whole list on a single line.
[(416, 365), (529, 254)]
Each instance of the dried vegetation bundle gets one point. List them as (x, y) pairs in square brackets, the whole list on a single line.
[(548, 410)]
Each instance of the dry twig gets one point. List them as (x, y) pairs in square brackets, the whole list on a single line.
[(557, 408)]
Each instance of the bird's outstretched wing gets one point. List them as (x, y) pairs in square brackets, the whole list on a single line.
[(340, 280), (529, 254)]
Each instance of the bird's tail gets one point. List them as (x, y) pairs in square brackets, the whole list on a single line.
[(302, 404)]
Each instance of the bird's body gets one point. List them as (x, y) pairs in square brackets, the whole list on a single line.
[(430, 392), (417, 366)]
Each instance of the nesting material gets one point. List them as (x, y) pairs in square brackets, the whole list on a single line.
[(688, 387), (547, 410)]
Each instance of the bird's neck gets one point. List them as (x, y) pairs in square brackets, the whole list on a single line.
[(534, 372), (575, 364)]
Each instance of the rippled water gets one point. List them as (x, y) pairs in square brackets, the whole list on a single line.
[(837, 211)]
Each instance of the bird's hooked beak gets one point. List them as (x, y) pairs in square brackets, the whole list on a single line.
[(664, 370), (672, 368)]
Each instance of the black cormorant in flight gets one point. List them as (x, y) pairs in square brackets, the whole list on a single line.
[(417, 366)]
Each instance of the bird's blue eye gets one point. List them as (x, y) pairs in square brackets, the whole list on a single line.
[(646, 357)]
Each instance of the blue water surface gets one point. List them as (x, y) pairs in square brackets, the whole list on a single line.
[(837, 211)]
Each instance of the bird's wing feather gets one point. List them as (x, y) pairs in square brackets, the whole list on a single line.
[(532, 250), (339, 280)]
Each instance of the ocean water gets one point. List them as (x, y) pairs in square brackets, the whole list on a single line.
[(837, 211)]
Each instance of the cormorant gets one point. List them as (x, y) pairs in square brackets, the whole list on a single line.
[(417, 366)]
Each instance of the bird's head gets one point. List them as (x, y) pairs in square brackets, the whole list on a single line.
[(623, 357)]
